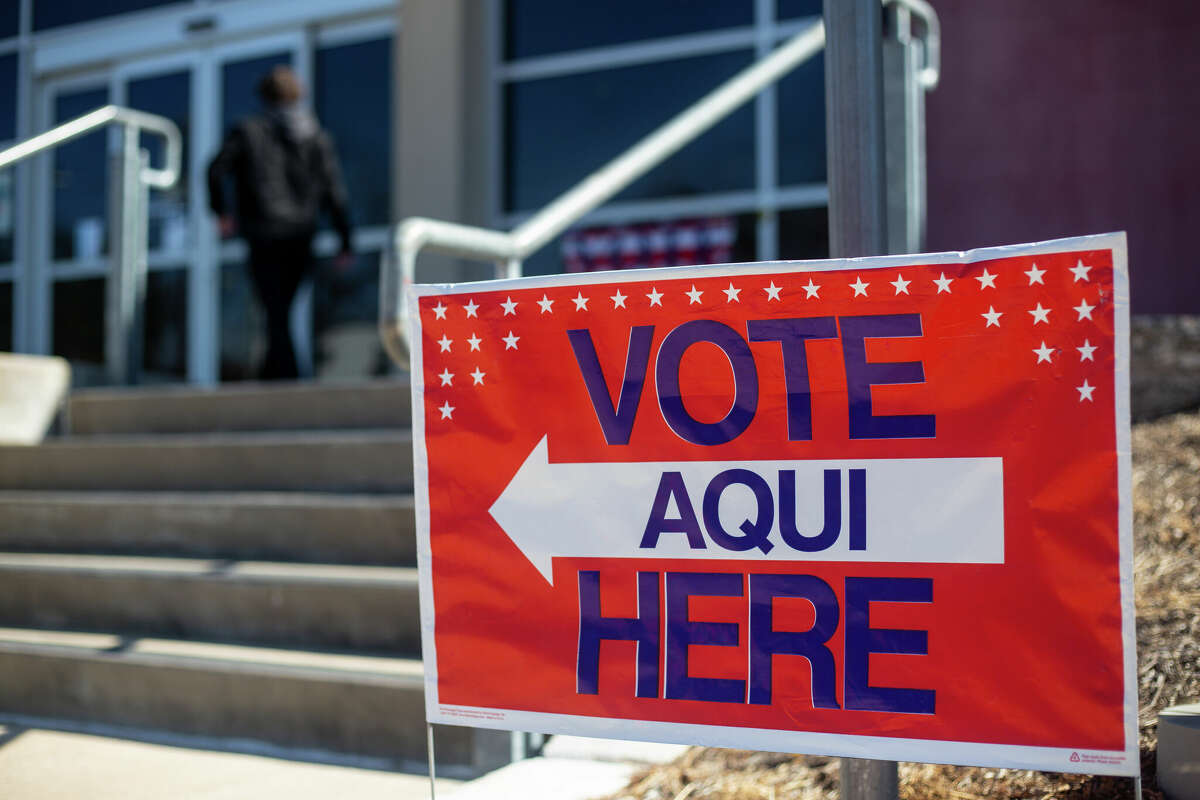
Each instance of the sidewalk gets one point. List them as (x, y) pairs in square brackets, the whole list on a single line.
[(39, 763)]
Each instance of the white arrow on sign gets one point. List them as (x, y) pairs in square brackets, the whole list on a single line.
[(924, 510)]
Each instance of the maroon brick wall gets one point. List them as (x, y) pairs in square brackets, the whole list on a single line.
[(1064, 117)]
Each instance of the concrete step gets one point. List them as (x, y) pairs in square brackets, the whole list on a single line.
[(241, 407), (362, 705), (311, 605), (262, 526), (342, 461)]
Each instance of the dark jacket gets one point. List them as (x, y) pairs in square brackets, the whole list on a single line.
[(281, 182)]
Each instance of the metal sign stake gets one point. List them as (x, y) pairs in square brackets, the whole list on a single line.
[(857, 207), (429, 747)]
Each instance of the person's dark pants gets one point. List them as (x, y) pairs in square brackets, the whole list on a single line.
[(277, 267)]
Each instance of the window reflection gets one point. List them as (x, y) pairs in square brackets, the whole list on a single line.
[(651, 243), (6, 317), (539, 27), (352, 97), (164, 335), (79, 328), (8, 97), (53, 13), (801, 124), (785, 9), (80, 182), (10, 19), (169, 96), (804, 233), (7, 198), (561, 129)]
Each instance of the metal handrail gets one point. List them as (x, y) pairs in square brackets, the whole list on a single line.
[(508, 250), (163, 178), (130, 180), (931, 72)]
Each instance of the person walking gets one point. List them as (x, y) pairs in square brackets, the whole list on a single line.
[(285, 172)]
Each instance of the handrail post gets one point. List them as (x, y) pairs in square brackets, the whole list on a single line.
[(126, 288)]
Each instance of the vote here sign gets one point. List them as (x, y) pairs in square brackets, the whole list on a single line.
[(872, 507)]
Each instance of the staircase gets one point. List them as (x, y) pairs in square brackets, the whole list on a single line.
[(236, 564)]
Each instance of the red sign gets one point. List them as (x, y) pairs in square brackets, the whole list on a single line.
[(873, 507)]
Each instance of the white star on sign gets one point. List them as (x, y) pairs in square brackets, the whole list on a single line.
[(580, 302), (901, 284), (858, 286), (694, 295), (545, 303), (445, 343), (439, 310), (1085, 352), (1085, 391), (1044, 353), (772, 291), (1080, 272), (446, 410), (811, 289), (618, 299), (510, 341), (943, 284), (478, 376), (1035, 275), (471, 306), (474, 341), (447, 377), (655, 297), (1040, 314), (510, 307), (993, 317), (986, 280), (1084, 310), (731, 294)]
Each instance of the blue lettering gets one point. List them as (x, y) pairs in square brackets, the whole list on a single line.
[(745, 379), (594, 628), (682, 632), (861, 375), (754, 534), (791, 335), (765, 641), (862, 640), (616, 423), (671, 485)]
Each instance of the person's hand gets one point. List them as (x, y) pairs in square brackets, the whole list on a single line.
[(227, 226), (344, 260)]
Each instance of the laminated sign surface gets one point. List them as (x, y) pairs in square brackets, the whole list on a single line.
[(873, 507)]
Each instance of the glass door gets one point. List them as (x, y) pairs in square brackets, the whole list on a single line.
[(72, 235), (167, 87), (203, 322)]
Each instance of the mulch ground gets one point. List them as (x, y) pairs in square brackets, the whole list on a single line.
[(1166, 507)]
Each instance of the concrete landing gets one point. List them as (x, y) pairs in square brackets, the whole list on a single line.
[(40, 764)]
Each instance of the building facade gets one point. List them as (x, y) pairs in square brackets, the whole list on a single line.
[(1072, 117), (467, 110), (481, 111)]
